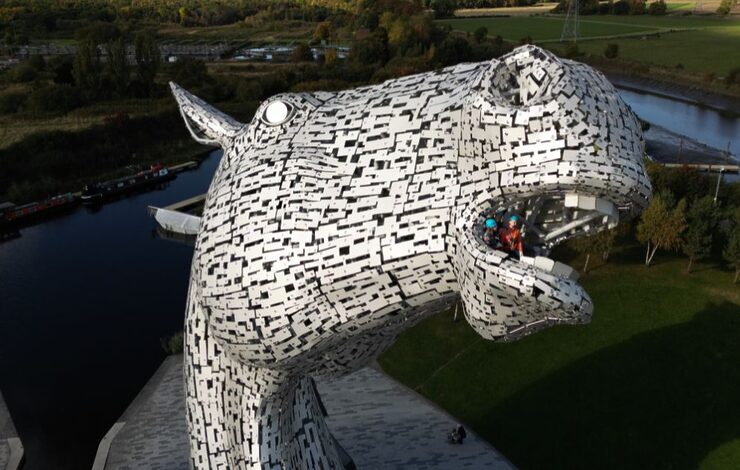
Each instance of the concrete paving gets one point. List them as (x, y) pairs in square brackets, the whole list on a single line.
[(380, 423), (11, 449)]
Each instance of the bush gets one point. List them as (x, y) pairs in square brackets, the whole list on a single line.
[(611, 51), (443, 8), (637, 7), (621, 7), (11, 102), (57, 99), (248, 90), (725, 6), (37, 62), (23, 73), (480, 34), (174, 344), (709, 77), (571, 51), (301, 53), (657, 8), (733, 77)]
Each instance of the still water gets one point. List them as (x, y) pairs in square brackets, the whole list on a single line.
[(703, 124), (85, 299)]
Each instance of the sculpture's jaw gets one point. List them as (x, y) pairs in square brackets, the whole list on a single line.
[(507, 297)]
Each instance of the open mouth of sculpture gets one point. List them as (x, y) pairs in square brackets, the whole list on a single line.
[(546, 221)]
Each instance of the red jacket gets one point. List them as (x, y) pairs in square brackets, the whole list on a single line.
[(511, 239)]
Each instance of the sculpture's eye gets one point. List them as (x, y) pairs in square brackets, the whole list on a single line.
[(277, 112)]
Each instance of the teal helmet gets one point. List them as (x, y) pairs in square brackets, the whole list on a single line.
[(490, 223), (514, 218)]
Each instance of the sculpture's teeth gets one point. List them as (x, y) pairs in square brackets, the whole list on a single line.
[(551, 266), (596, 204)]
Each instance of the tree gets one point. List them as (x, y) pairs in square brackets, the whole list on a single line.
[(725, 6), (443, 8), (117, 67), (147, 59), (696, 240), (330, 57), (661, 225), (657, 8), (323, 31), (601, 242), (86, 68), (301, 53), (480, 34), (190, 72), (732, 251)]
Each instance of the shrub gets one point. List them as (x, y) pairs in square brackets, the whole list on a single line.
[(733, 76), (621, 7), (11, 102), (611, 51), (709, 77), (657, 8), (637, 7), (571, 51), (174, 344), (480, 34), (301, 53), (248, 90), (23, 73), (725, 6)]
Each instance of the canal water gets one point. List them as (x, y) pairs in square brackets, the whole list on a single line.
[(702, 124), (85, 299)]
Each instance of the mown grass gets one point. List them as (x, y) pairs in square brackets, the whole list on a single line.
[(711, 50), (548, 28), (652, 382)]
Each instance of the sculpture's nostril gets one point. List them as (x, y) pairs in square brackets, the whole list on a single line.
[(522, 80)]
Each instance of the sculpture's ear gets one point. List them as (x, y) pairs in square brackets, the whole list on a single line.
[(206, 124)]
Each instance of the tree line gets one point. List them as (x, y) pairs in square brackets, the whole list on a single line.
[(683, 216)]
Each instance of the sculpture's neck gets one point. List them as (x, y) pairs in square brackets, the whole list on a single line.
[(270, 419)]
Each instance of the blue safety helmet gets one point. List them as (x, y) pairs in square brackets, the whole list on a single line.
[(514, 218), (490, 223)]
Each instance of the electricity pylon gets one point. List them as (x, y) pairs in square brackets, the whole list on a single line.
[(570, 27)]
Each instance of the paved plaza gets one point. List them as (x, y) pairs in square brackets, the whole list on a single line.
[(380, 423)]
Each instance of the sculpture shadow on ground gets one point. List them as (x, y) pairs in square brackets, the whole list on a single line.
[(663, 399)]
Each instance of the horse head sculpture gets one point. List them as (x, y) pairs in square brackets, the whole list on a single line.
[(337, 220)]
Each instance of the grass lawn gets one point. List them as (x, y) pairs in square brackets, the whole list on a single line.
[(652, 382), (548, 28), (699, 44), (700, 51)]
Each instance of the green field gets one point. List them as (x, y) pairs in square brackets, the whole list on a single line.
[(653, 382), (699, 44), (710, 50), (548, 28)]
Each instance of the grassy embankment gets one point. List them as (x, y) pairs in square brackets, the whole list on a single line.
[(680, 48), (652, 382)]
